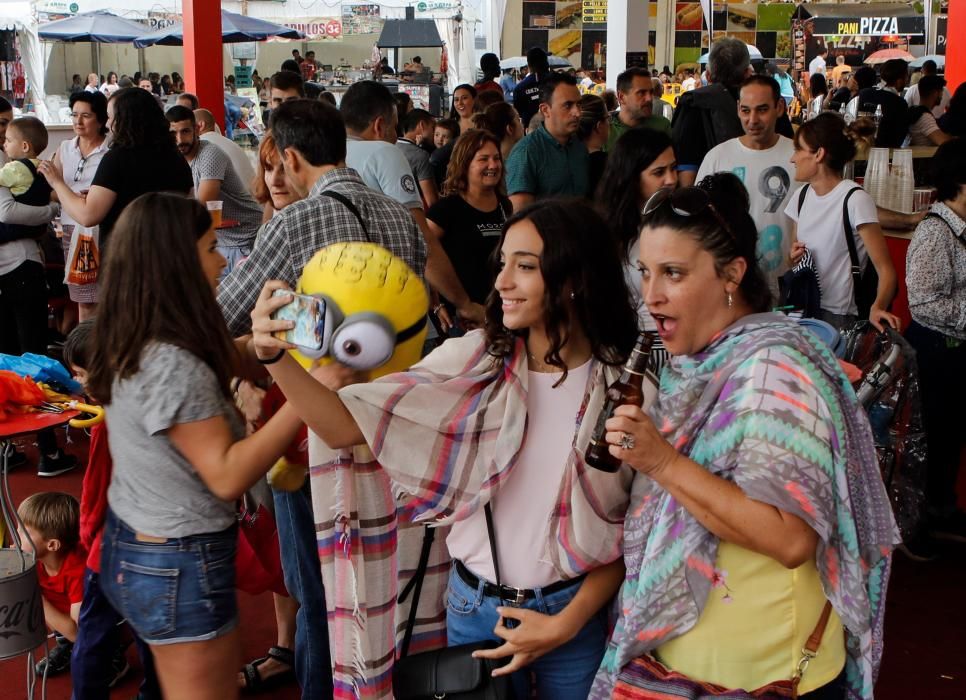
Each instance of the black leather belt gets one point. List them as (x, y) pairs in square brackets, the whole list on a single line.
[(513, 596)]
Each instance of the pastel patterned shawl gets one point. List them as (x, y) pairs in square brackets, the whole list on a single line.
[(444, 438), (742, 408)]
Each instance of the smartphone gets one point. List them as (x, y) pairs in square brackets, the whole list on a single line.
[(308, 313)]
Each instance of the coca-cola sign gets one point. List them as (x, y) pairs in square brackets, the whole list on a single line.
[(22, 625)]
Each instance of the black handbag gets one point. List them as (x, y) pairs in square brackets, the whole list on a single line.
[(451, 672)]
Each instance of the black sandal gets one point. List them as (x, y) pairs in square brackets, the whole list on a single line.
[(254, 683)]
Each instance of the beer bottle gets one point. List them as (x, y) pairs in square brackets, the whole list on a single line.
[(626, 390)]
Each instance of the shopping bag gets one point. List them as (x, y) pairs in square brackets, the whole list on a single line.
[(83, 256)]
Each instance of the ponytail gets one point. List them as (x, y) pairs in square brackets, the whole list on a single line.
[(841, 141)]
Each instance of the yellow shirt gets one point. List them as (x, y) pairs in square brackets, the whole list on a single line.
[(754, 626), (17, 176)]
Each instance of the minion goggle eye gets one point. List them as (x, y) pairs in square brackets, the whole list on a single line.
[(363, 340)]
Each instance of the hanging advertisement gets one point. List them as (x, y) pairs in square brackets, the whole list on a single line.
[(361, 19), (314, 28)]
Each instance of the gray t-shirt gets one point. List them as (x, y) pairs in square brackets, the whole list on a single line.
[(154, 489), (212, 163), (385, 169), (418, 159)]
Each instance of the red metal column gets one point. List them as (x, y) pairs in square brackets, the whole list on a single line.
[(956, 50), (203, 55)]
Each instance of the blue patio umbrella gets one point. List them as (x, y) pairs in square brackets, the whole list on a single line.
[(235, 28), (99, 27), (939, 60)]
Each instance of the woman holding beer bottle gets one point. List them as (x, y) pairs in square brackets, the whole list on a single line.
[(760, 519), (502, 418)]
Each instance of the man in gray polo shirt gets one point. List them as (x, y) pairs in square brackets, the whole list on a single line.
[(215, 179), (551, 160), (417, 127), (369, 112)]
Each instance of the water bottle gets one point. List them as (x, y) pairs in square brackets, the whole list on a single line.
[(877, 118)]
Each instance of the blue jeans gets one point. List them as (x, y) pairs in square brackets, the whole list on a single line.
[(95, 646), (303, 579), (180, 590), (566, 673)]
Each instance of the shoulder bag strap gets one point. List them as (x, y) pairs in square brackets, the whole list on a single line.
[(801, 198), (415, 586), (810, 650), (347, 203), (850, 242), (491, 534)]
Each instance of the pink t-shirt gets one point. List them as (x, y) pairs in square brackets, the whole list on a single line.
[(522, 507)]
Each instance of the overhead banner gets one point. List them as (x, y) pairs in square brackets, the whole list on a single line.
[(868, 26), (314, 28)]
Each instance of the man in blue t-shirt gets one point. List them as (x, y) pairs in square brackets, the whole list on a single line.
[(526, 95)]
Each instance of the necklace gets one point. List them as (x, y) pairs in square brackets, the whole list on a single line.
[(537, 365)]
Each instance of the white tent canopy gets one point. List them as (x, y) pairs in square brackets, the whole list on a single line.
[(457, 33), (18, 15)]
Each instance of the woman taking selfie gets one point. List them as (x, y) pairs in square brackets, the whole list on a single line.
[(557, 325), (162, 361), (760, 494)]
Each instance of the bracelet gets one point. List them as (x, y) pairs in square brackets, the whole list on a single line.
[(271, 360)]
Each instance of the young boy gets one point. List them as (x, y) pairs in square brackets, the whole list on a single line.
[(98, 661), (25, 140), (23, 285), (51, 524), (446, 131)]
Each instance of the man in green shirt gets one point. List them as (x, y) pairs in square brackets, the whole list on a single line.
[(551, 160), (635, 94)]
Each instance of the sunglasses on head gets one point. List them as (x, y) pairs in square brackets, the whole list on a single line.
[(685, 201)]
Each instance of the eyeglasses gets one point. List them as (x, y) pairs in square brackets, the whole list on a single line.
[(686, 201), (80, 168)]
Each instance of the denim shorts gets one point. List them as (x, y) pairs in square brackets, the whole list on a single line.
[(181, 590), (566, 673)]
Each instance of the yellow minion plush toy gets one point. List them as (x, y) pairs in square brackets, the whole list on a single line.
[(375, 310)]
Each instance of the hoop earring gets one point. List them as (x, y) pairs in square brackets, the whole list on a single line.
[(731, 301)]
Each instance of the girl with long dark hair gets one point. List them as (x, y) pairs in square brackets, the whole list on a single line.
[(464, 100), (161, 363), (483, 420)]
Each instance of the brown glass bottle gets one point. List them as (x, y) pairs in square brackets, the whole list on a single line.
[(626, 390)]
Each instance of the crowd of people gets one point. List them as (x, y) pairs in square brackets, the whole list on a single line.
[(549, 233)]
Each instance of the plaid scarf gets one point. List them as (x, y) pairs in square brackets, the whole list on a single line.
[(722, 408), (444, 437)]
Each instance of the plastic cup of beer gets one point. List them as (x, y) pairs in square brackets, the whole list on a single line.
[(214, 210)]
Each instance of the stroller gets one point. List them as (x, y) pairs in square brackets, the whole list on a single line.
[(889, 392)]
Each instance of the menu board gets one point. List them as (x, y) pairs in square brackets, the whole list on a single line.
[(575, 29)]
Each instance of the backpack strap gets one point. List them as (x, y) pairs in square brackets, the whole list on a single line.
[(850, 242), (347, 203)]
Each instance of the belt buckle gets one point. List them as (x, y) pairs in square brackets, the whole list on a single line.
[(518, 596)]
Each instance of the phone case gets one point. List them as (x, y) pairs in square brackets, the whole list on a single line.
[(308, 313)]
